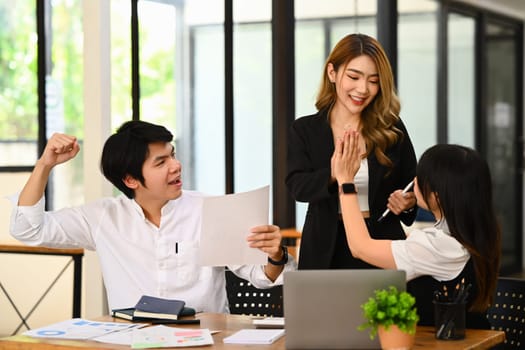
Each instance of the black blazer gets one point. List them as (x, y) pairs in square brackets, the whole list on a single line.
[(310, 148)]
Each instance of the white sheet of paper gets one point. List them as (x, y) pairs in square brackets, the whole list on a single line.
[(226, 222), (79, 328)]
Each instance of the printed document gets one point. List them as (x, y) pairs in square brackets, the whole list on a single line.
[(167, 337), (79, 328), (226, 222)]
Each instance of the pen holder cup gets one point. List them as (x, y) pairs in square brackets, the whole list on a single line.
[(449, 318)]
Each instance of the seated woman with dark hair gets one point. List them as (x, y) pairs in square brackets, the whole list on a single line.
[(452, 182)]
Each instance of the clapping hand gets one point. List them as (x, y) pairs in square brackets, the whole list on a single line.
[(346, 159)]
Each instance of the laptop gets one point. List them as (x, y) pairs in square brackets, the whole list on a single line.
[(322, 308)]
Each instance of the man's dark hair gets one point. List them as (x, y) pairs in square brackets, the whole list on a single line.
[(126, 150)]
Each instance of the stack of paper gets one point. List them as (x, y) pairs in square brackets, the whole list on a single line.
[(269, 322), (254, 336), (125, 334)]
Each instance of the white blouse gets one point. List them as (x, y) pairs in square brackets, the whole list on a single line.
[(430, 251), (361, 182)]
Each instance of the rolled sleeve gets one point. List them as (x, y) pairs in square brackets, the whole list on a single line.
[(25, 220), (65, 228), (257, 277)]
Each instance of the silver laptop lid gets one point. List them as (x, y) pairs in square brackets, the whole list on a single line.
[(322, 308)]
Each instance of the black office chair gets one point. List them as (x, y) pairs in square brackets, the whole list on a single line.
[(508, 312), (245, 299)]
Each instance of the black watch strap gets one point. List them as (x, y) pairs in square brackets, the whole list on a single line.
[(283, 260), (347, 188)]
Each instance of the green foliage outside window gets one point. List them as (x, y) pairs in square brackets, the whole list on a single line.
[(18, 64), (67, 62)]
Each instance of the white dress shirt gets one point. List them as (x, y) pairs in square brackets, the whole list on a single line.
[(430, 251), (136, 257)]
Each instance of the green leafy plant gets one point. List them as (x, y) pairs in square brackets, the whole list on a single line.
[(390, 307)]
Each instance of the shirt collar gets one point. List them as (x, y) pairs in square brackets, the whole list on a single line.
[(442, 225), (165, 209)]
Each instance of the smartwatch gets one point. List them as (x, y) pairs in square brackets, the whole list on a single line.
[(347, 188), (283, 260)]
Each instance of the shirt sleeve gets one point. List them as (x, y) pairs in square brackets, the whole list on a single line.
[(430, 252), (65, 228), (256, 275)]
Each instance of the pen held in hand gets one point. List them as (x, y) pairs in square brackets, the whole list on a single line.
[(405, 190)]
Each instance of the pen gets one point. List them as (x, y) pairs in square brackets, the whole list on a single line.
[(405, 190), (188, 321)]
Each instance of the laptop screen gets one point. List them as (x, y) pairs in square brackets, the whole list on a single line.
[(322, 308)]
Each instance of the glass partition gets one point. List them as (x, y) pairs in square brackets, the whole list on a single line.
[(417, 69), (501, 131), (252, 85), (461, 79)]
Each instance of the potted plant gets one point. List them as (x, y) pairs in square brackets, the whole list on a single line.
[(391, 314)]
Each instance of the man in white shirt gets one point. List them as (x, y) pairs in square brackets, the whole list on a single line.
[(147, 240)]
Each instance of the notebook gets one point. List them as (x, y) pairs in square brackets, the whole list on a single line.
[(322, 308)]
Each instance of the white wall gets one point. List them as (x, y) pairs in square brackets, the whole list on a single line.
[(97, 120)]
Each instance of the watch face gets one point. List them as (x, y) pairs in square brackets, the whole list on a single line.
[(348, 188)]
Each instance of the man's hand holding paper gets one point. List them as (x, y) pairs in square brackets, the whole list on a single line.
[(268, 239), (235, 230)]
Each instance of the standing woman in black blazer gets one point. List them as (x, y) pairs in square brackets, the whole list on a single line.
[(357, 93)]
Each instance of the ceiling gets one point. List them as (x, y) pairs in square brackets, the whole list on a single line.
[(516, 6), (513, 8)]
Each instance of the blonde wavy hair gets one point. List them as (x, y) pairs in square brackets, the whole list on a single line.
[(380, 116)]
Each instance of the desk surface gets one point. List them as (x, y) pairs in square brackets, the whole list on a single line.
[(14, 246), (229, 324)]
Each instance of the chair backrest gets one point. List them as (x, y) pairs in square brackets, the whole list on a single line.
[(508, 312), (245, 299)]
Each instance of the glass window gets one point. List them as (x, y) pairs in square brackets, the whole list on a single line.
[(18, 84), (502, 133), (121, 100), (363, 24), (65, 98), (252, 85), (181, 59), (201, 139), (309, 61), (157, 62), (417, 62), (461, 89)]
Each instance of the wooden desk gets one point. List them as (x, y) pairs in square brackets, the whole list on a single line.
[(15, 247), (229, 324)]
